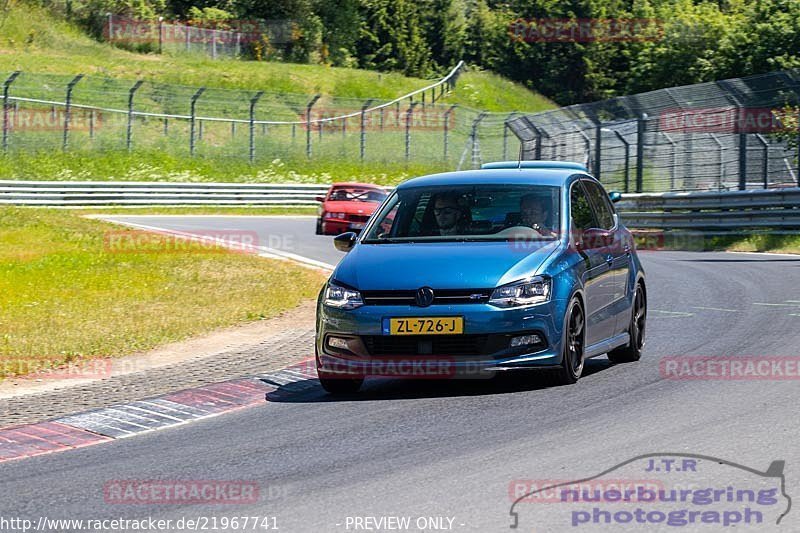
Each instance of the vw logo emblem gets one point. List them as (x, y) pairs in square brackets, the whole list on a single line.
[(424, 297)]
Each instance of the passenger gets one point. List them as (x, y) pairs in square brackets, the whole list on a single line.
[(535, 213)]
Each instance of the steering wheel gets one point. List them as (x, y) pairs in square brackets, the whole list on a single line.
[(519, 232)]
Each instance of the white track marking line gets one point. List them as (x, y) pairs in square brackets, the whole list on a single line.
[(267, 252), (769, 254), (243, 215), (675, 314), (717, 309)]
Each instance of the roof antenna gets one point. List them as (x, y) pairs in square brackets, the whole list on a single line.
[(519, 159)]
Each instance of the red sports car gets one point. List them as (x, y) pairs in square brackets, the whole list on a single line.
[(347, 207)]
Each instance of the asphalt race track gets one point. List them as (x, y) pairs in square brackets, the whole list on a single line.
[(294, 235), (450, 449)]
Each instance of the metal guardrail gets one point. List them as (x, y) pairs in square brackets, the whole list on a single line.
[(101, 194), (776, 209), (713, 211)]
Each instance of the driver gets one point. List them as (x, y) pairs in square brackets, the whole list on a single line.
[(450, 217), (535, 213)]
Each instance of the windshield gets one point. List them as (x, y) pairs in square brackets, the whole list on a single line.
[(357, 195), (468, 212)]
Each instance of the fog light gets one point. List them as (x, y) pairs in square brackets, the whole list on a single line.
[(338, 343), (525, 340)]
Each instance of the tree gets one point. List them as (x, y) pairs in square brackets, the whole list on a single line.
[(391, 38), (341, 22)]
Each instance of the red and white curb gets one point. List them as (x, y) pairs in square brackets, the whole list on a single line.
[(142, 416)]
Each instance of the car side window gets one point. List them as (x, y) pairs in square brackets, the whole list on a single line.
[(602, 205), (388, 223), (418, 222), (580, 209)]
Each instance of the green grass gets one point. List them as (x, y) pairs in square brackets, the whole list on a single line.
[(162, 166), (33, 40), (201, 210), (655, 240), (490, 92), (68, 295), (787, 244)]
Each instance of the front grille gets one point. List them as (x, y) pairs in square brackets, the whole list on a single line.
[(357, 218), (441, 297), (443, 345)]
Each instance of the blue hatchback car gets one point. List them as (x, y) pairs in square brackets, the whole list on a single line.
[(518, 265)]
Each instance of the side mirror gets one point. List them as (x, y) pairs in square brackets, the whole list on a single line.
[(319, 198), (345, 241), (615, 196), (596, 238)]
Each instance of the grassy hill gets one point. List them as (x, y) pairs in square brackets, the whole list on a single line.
[(38, 43), (33, 40)]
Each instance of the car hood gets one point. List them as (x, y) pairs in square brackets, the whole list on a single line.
[(447, 265), (365, 208)]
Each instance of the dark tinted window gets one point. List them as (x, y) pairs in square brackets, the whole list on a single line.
[(580, 209), (468, 212), (350, 194), (602, 205)]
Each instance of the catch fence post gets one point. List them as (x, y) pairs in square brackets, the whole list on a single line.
[(67, 111)]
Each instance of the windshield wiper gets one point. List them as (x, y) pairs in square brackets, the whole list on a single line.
[(386, 241), (397, 240), (361, 195)]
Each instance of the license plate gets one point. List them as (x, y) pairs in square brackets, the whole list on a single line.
[(440, 325), (357, 226)]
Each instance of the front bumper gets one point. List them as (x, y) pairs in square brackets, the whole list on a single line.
[(336, 226), (483, 349)]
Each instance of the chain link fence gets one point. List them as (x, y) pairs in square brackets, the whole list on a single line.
[(174, 37), (47, 113), (733, 134)]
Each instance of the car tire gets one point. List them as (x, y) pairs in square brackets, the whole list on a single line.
[(633, 350), (337, 385), (319, 226), (572, 345)]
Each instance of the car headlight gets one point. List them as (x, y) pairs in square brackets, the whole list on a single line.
[(521, 293), (334, 215), (342, 297)]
